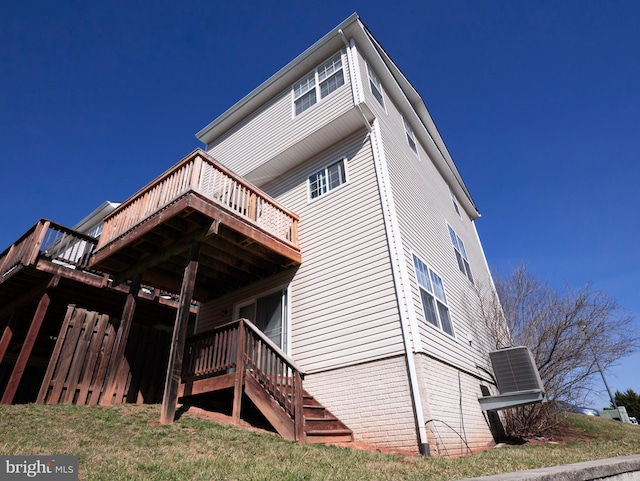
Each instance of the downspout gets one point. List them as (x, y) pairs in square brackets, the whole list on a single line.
[(393, 239), (354, 84)]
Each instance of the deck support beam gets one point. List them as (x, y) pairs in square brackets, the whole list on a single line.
[(117, 357), (174, 368), (239, 382), (7, 334), (27, 346)]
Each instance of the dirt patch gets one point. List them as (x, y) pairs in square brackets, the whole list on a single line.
[(221, 418), (560, 434)]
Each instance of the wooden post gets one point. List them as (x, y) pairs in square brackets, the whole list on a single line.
[(196, 168), (298, 419), (6, 259), (38, 238), (253, 213), (174, 368), (237, 389), (7, 334), (121, 341), (27, 346)]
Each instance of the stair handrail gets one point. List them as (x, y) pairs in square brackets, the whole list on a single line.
[(290, 362), (260, 358)]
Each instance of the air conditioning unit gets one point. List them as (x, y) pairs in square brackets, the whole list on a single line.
[(517, 379), (515, 370)]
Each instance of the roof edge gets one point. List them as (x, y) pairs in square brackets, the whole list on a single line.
[(205, 135)]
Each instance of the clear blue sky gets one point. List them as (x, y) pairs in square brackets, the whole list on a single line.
[(538, 103)]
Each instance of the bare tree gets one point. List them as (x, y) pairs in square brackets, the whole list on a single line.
[(572, 334)]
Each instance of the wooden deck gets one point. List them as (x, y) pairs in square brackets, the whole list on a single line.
[(244, 235), (42, 274)]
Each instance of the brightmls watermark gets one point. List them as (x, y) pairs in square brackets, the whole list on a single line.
[(51, 468)]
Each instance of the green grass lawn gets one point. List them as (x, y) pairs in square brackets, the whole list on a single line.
[(126, 443)]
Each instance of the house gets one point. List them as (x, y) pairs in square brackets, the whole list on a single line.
[(326, 210)]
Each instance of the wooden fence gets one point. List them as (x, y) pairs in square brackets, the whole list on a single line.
[(78, 365)]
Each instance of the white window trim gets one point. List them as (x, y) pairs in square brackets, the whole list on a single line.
[(456, 204), (317, 83), (436, 300), (329, 190), (375, 83), (410, 136), (461, 250)]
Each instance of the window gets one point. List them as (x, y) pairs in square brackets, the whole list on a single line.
[(268, 313), (434, 302), (461, 254), (315, 86), (410, 137), (454, 199), (375, 85), (327, 179)]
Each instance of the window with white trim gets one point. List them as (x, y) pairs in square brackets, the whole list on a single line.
[(375, 85), (454, 199), (434, 301), (327, 179), (316, 85), (461, 254), (411, 138)]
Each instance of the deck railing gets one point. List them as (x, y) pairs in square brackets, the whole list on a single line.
[(50, 240), (201, 174), (216, 352)]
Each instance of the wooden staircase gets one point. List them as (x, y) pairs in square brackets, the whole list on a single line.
[(268, 377), (320, 426)]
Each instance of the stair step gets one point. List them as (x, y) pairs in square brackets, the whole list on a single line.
[(315, 436), (314, 411), (328, 424), (332, 432)]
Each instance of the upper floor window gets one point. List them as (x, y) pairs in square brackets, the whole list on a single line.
[(411, 139), (434, 301), (327, 179), (461, 254), (454, 199), (96, 230), (375, 85), (315, 86)]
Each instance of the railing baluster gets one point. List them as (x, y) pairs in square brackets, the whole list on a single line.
[(215, 182)]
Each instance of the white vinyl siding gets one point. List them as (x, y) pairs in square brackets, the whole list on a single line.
[(315, 86), (271, 132), (343, 304), (422, 198)]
